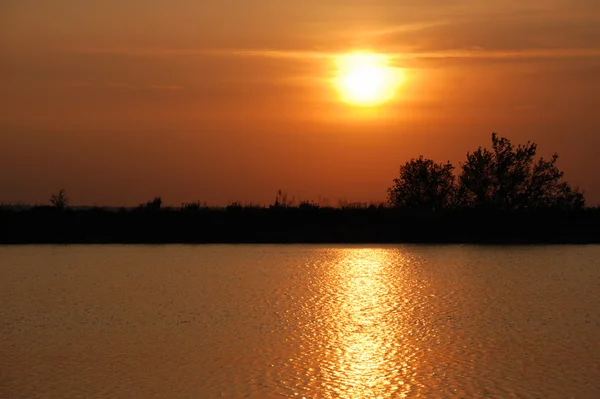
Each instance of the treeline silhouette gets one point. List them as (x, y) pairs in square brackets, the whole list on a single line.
[(503, 195), (503, 178)]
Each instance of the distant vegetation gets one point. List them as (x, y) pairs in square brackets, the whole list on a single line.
[(501, 195), (503, 178), (60, 200)]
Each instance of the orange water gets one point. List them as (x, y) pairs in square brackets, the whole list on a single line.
[(301, 321)]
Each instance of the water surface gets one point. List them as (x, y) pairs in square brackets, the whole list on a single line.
[(299, 321)]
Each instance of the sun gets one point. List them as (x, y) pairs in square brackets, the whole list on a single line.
[(367, 79)]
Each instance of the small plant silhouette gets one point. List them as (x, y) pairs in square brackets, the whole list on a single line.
[(153, 205), (192, 206), (282, 200), (60, 199)]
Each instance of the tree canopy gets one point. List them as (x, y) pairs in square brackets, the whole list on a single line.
[(504, 177), (423, 184)]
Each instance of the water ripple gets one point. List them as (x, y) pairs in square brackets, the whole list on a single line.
[(310, 322)]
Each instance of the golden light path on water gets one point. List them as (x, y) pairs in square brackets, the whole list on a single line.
[(365, 337), (359, 340)]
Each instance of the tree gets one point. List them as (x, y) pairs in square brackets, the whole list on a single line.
[(60, 199), (423, 184), (506, 177)]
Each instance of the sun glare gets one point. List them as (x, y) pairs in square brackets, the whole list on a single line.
[(367, 79)]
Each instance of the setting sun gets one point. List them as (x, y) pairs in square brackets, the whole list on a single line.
[(367, 79)]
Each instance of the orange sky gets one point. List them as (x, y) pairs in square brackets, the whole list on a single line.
[(220, 101)]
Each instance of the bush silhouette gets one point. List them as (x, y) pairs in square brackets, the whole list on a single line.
[(153, 205), (423, 184), (508, 177), (60, 199), (503, 178)]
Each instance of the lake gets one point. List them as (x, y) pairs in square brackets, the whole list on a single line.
[(299, 321)]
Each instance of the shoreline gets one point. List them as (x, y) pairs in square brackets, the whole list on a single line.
[(293, 225)]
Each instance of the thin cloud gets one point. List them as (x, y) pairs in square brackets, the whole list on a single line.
[(164, 87), (125, 86), (497, 54), (121, 86), (509, 33), (403, 28), (475, 53), (161, 52)]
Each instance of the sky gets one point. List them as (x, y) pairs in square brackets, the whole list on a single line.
[(219, 101)]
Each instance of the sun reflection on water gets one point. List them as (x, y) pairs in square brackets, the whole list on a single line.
[(365, 316)]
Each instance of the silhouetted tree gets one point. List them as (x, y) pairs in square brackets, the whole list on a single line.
[(60, 199), (423, 184), (506, 177)]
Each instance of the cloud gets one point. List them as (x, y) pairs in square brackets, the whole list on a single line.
[(125, 86), (191, 52), (121, 86), (499, 34), (473, 52), (164, 87), (496, 32)]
